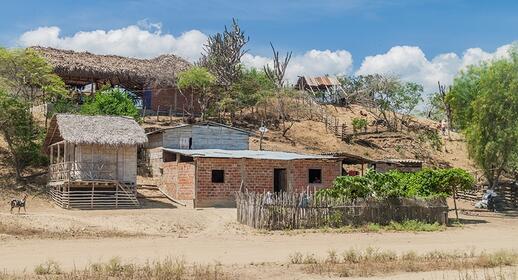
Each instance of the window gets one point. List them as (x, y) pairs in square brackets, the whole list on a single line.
[(315, 176), (218, 176)]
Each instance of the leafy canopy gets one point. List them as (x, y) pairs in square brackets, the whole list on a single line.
[(425, 183), (484, 101), (198, 78), (25, 74), (111, 101), (22, 136)]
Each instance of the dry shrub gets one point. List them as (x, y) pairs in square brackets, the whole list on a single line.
[(373, 261), (16, 229), (114, 269)]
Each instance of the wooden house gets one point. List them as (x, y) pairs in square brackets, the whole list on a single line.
[(153, 80), (93, 160)]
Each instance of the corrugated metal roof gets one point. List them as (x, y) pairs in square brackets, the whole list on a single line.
[(321, 81), (272, 155), (397, 160), (208, 123)]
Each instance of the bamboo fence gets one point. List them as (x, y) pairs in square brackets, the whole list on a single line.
[(274, 211)]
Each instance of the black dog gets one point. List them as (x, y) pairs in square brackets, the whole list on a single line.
[(19, 203)]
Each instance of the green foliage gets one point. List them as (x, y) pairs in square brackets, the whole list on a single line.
[(196, 78), (27, 75), (432, 137), (253, 87), (111, 101), (426, 183), (63, 105), (199, 81), (436, 110), (359, 124), (22, 135), (413, 226), (484, 101)]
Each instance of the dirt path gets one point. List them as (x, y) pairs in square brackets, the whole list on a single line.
[(210, 235)]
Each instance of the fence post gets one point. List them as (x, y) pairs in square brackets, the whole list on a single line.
[(170, 114), (325, 122)]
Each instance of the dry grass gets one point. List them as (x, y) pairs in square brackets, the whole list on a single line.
[(17, 230), (373, 262), (176, 269), (405, 226)]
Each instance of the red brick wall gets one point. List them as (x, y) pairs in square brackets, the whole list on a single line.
[(178, 180), (330, 170), (166, 97), (257, 176)]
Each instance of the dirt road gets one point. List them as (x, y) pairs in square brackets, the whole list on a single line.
[(211, 235)]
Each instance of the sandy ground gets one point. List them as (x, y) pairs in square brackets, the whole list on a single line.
[(212, 236)]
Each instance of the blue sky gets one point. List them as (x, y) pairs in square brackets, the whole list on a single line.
[(360, 28)]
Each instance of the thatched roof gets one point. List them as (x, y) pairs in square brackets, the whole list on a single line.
[(84, 67), (102, 130)]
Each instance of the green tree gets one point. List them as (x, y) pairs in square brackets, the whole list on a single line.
[(253, 87), (25, 74), (200, 82), (111, 101), (394, 99), (484, 101), (22, 137)]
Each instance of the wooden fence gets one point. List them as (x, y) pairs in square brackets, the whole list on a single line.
[(298, 210)]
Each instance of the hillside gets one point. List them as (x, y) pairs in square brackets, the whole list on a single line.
[(312, 137)]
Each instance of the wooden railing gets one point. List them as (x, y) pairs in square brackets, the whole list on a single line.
[(82, 171)]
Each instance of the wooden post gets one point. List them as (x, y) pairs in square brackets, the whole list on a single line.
[(92, 197), (455, 202), (51, 154), (171, 114), (157, 112), (325, 122)]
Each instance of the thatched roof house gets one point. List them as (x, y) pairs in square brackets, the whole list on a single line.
[(153, 80), (81, 68), (101, 130), (93, 160)]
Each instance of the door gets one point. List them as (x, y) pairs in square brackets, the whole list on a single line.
[(280, 180), (146, 100)]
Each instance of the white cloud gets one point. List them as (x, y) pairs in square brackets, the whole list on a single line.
[(144, 40), (411, 64), (311, 63)]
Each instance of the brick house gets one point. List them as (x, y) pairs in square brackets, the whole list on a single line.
[(208, 135), (209, 177)]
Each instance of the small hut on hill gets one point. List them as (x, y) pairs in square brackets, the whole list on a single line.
[(328, 88), (153, 80), (93, 160)]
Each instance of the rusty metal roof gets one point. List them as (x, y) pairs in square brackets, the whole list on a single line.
[(321, 81)]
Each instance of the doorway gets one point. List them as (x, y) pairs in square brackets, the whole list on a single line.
[(280, 180)]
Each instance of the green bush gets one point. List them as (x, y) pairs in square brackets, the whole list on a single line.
[(111, 101), (359, 124), (427, 183)]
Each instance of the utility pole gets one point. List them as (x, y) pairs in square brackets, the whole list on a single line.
[(262, 131)]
